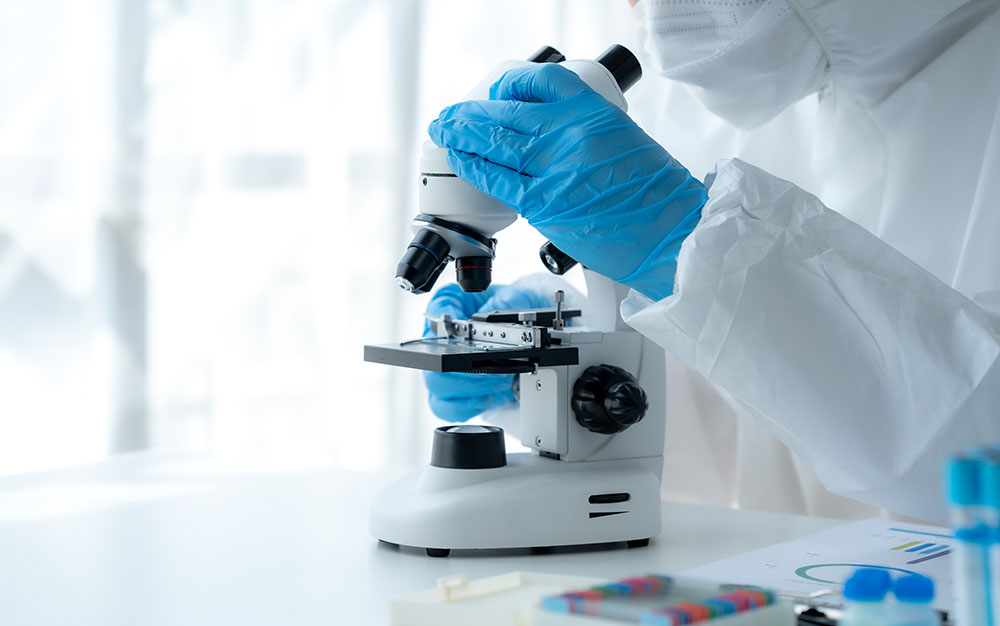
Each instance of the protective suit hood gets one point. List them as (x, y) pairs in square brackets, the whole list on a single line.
[(872, 47), (748, 60)]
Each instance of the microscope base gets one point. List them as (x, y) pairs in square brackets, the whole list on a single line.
[(532, 502)]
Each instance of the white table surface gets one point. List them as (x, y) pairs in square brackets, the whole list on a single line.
[(146, 540)]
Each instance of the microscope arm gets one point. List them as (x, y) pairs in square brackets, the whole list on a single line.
[(604, 298)]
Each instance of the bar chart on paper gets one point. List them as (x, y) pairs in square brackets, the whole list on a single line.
[(816, 566)]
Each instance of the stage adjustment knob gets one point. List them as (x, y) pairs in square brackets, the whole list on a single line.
[(607, 399), (468, 447)]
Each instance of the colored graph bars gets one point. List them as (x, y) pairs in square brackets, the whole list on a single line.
[(928, 550)]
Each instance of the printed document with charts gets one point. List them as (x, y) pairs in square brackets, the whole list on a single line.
[(815, 567)]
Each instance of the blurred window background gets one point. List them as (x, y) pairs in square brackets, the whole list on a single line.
[(202, 203)]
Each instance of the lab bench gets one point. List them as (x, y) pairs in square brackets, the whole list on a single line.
[(154, 540)]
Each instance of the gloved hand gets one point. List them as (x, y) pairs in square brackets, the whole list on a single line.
[(581, 172), (457, 396)]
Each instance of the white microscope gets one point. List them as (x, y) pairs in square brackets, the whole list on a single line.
[(592, 397)]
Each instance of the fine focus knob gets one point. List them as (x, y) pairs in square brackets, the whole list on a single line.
[(468, 447), (607, 399)]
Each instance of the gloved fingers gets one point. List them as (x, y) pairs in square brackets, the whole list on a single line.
[(540, 82), (522, 117), (451, 300), (496, 144), (457, 397), (453, 385), (458, 409), (506, 185), (512, 297)]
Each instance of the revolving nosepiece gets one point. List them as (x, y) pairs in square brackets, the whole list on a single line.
[(428, 254)]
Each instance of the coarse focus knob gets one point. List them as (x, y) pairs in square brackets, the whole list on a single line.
[(466, 446), (607, 399)]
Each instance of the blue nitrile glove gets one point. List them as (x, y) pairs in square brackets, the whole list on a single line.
[(456, 396), (581, 172)]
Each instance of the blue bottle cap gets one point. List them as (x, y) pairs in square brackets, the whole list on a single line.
[(963, 481), (867, 585), (913, 588)]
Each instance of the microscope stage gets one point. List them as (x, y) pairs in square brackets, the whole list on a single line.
[(457, 355)]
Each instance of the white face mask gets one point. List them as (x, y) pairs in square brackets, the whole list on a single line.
[(746, 60)]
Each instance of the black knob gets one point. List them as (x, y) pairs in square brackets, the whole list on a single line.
[(547, 54), (607, 399), (555, 260), (468, 447), (622, 64)]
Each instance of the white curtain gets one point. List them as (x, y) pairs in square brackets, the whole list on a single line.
[(202, 203)]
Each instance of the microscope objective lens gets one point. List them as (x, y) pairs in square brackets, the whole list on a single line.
[(422, 262)]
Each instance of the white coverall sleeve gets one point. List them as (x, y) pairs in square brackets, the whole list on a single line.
[(860, 361)]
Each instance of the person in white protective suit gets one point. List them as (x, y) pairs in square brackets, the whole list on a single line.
[(852, 315)]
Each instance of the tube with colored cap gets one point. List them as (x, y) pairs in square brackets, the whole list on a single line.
[(913, 602), (964, 478), (990, 473), (864, 598)]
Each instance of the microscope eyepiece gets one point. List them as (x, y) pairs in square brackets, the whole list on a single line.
[(554, 259), (547, 54), (622, 64), (474, 273), (422, 262)]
